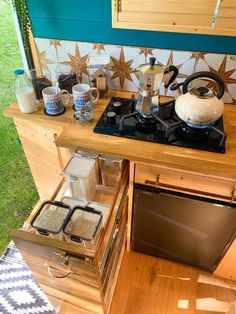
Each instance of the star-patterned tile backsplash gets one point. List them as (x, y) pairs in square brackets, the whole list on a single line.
[(124, 59)]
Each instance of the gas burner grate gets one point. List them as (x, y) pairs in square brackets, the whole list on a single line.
[(163, 127)]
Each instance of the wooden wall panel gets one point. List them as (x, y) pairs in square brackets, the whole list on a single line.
[(176, 16), (91, 21)]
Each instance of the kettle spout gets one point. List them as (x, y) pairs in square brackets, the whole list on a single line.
[(176, 89)]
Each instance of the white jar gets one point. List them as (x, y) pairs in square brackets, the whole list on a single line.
[(25, 93)]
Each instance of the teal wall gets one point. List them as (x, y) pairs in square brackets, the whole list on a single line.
[(90, 20)]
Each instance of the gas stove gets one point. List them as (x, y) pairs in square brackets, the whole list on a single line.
[(121, 119)]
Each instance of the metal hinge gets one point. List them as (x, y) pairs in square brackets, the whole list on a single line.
[(155, 183), (117, 4), (233, 198)]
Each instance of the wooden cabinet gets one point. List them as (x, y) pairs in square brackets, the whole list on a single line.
[(77, 277), (176, 16)]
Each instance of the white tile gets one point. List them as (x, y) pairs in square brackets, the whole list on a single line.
[(232, 90), (85, 48), (131, 53), (113, 51), (61, 54), (129, 86), (201, 66), (52, 69), (227, 98), (214, 60), (138, 60), (231, 62), (180, 57), (68, 46), (188, 67), (115, 84), (51, 54), (42, 44), (162, 55), (135, 81)]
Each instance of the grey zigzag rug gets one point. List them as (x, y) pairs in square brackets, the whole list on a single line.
[(19, 292)]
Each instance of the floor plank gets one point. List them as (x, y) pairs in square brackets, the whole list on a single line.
[(150, 285)]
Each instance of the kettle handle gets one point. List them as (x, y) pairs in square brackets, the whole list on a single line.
[(210, 75), (171, 68)]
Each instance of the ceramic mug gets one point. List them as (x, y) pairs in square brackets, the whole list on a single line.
[(53, 100), (83, 93)]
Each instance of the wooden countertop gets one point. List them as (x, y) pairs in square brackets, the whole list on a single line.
[(77, 136)]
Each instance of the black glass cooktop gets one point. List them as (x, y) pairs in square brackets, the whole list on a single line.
[(121, 119)]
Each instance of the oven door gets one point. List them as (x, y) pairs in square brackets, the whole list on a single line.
[(180, 227)]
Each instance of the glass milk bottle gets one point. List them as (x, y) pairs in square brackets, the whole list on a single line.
[(25, 93)]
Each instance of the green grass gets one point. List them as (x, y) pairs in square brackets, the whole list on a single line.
[(17, 190)]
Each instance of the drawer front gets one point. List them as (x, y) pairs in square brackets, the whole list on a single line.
[(187, 182), (74, 283)]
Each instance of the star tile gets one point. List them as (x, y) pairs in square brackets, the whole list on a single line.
[(146, 52), (99, 46), (78, 63), (225, 75), (55, 43), (198, 55), (121, 69), (44, 61)]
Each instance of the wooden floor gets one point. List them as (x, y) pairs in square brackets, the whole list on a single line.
[(149, 285)]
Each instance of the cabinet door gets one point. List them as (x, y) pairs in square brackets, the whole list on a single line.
[(44, 158), (176, 16)]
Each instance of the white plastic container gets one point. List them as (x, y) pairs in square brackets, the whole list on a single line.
[(80, 175), (95, 157)]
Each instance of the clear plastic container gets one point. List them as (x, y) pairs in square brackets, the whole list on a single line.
[(111, 169), (50, 218), (95, 157), (83, 224), (103, 208), (80, 175)]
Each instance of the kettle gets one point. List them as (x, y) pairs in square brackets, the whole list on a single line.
[(199, 106)]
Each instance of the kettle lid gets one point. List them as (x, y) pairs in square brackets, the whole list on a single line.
[(202, 92)]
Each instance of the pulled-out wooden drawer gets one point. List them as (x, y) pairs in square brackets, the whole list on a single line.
[(188, 182), (71, 271), (76, 281)]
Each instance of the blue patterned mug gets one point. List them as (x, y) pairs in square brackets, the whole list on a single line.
[(54, 101), (83, 93)]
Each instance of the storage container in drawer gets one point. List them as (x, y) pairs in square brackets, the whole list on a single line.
[(71, 268), (188, 182)]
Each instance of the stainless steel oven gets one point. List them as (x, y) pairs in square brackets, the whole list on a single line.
[(180, 227)]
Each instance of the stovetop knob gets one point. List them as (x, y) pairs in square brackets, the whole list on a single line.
[(117, 106), (111, 117)]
